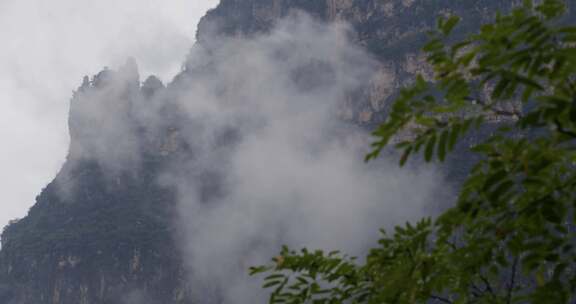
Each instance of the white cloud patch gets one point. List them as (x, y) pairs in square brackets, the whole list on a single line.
[(291, 173)]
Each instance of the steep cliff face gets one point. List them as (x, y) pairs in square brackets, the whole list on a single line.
[(392, 30), (103, 230), (99, 233)]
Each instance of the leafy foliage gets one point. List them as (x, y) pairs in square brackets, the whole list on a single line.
[(510, 237)]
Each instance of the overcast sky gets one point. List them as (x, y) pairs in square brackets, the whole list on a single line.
[(45, 49)]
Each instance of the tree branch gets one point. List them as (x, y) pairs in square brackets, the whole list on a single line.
[(488, 285), (493, 109), (561, 129), (512, 281), (441, 299)]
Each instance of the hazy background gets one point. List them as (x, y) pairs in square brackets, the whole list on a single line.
[(46, 48)]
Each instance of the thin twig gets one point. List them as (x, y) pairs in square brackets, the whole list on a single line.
[(488, 285), (494, 110), (512, 281), (561, 129), (477, 292), (441, 299)]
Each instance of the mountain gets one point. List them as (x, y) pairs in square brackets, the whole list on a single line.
[(105, 230), (393, 31), (93, 236)]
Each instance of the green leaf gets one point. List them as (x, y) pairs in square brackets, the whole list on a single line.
[(271, 284), (455, 132), (449, 25), (443, 145), (274, 276), (429, 151), (405, 156)]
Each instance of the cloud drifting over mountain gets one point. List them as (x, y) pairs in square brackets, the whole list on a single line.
[(267, 161), (294, 173), (47, 46)]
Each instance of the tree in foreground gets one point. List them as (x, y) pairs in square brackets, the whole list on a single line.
[(510, 236)]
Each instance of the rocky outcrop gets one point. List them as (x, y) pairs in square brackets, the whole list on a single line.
[(392, 30), (100, 233)]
